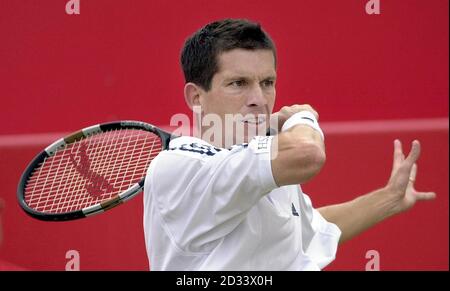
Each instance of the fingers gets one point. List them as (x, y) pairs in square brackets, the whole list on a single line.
[(413, 174), (425, 195), (419, 195), (399, 157), (304, 107), (398, 151), (414, 153), (406, 168)]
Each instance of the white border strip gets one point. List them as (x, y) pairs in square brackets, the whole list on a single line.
[(385, 126), (329, 128), (35, 139)]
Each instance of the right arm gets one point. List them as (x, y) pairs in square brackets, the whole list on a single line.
[(299, 153), (203, 194)]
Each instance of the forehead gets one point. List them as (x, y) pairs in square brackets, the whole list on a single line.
[(246, 62)]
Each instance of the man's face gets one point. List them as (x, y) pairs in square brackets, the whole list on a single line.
[(244, 87)]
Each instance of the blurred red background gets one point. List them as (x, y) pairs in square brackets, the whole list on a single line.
[(120, 60)]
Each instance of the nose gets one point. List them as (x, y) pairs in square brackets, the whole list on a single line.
[(256, 97)]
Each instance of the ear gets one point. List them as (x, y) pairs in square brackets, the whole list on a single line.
[(192, 94)]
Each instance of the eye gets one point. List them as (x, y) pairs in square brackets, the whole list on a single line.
[(238, 83), (268, 83)]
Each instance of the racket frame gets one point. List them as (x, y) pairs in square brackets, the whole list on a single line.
[(51, 150)]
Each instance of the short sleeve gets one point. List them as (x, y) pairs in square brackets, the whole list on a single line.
[(202, 193), (324, 238)]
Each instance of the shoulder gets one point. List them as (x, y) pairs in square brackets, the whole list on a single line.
[(184, 155), (192, 147), (187, 155)]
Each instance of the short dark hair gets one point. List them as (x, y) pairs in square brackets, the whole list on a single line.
[(200, 51)]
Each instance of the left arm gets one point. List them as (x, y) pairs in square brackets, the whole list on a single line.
[(397, 196)]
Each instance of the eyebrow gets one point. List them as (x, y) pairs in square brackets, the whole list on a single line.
[(242, 77), (271, 78)]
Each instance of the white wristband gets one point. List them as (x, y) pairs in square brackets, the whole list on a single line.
[(305, 118)]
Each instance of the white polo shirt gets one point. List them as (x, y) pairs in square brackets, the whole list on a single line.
[(207, 208)]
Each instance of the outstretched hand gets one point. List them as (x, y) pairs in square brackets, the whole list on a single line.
[(404, 173)]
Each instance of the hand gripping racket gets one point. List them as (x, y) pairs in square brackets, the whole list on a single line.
[(90, 171)]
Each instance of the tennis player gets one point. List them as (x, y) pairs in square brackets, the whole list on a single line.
[(208, 206)]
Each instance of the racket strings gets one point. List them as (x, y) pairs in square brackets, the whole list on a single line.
[(85, 197), (132, 159), (91, 170)]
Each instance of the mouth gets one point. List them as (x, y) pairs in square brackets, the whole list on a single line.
[(256, 121)]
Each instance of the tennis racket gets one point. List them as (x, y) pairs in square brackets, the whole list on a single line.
[(90, 171)]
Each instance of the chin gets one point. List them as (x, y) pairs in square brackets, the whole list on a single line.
[(248, 139)]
